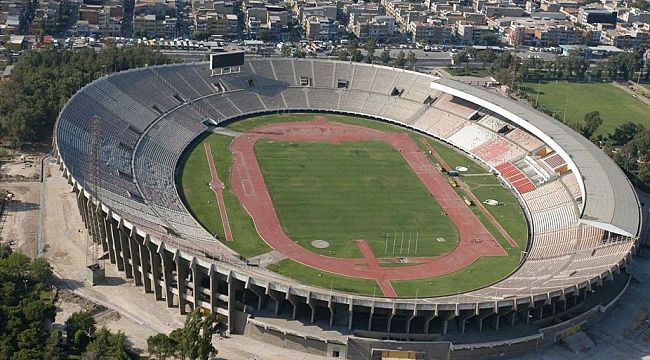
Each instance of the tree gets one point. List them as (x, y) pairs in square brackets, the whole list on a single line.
[(385, 57), (400, 60), (285, 50), (625, 133), (488, 39), (192, 341), (161, 346), (461, 57), (411, 60), (53, 348), (370, 51), (106, 345), (356, 55), (592, 121), (342, 55), (263, 35), (80, 328)]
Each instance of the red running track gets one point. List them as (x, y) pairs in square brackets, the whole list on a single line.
[(249, 187)]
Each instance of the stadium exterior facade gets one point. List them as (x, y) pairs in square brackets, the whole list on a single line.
[(148, 117)]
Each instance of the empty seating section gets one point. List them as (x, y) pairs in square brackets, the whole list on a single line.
[(145, 128), (497, 151), (554, 218), (471, 136), (264, 75), (456, 106), (550, 195), (571, 182), (352, 100), (384, 81), (554, 243), (303, 69), (493, 123), (323, 98), (524, 139), (419, 90), (399, 109), (554, 161), (516, 177), (363, 76), (324, 75), (296, 98), (591, 237), (284, 72), (374, 103)]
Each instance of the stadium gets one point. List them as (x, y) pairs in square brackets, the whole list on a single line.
[(528, 265)]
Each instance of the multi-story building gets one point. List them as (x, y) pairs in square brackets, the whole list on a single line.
[(433, 31), (373, 27), (321, 28), (469, 34)]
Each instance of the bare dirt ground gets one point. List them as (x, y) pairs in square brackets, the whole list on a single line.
[(119, 304), (19, 220)]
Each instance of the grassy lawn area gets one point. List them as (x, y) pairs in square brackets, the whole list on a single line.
[(484, 271), (453, 157), (615, 106), (361, 190), (508, 212), (324, 279), (202, 203)]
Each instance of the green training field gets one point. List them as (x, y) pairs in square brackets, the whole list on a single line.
[(349, 191), (360, 190), (615, 106)]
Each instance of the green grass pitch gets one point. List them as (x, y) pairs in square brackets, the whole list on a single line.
[(615, 106), (350, 191)]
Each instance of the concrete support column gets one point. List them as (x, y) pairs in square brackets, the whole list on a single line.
[(409, 319), (111, 240), (462, 317), (145, 263), (293, 303), (181, 278), (126, 256), (167, 275), (372, 312), (156, 268), (135, 258), (196, 284), (119, 253), (427, 322), (260, 296), (330, 305), (277, 298), (350, 314), (390, 319), (312, 317), (445, 317), (231, 302)]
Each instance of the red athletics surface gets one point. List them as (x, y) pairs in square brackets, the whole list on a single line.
[(217, 187), (249, 187)]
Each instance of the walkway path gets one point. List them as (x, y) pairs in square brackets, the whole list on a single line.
[(473, 197), (248, 185), (217, 187), (374, 263)]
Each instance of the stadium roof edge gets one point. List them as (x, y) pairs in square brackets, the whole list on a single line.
[(608, 195)]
